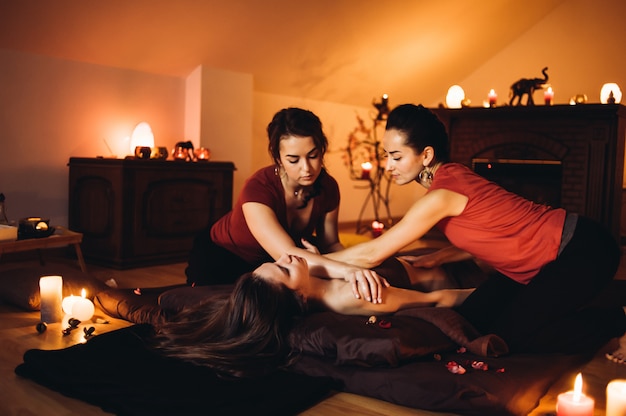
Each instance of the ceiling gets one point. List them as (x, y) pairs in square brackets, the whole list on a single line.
[(343, 51)]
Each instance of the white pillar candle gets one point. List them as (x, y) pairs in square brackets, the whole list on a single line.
[(616, 398), (82, 308), (51, 293)]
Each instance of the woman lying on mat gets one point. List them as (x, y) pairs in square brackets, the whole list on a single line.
[(279, 206), (247, 333), (551, 264)]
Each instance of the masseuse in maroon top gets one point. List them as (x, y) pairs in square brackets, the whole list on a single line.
[(550, 265), (279, 206)]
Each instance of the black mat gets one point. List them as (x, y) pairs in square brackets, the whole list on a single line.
[(118, 373)]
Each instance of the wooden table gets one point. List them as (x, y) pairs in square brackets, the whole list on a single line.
[(61, 237)]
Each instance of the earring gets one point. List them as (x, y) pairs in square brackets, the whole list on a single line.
[(276, 170), (426, 175)]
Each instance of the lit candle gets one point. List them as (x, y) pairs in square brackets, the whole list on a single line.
[(83, 308), (51, 292), (68, 303), (493, 97), (548, 96), (366, 168), (616, 398), (575, 402), (377, 228)]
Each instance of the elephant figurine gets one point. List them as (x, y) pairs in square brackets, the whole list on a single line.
[(527, 86)]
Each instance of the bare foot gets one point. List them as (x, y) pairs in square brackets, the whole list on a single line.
[(619, 355)]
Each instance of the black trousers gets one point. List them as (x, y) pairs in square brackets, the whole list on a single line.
[(569, 306), (210, 264)]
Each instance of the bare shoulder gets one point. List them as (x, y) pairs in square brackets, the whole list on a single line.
[(338, 297)]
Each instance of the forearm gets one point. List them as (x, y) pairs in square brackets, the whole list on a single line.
[(322, 266), (395, 299), (361, 255)]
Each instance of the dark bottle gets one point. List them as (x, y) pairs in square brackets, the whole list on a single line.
[(3, 213)]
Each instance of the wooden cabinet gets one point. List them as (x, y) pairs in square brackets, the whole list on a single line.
[(583, 145), (141, 212)]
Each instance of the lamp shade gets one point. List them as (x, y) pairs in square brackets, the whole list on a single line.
[(606, 91), (142, 137), (455, 96)]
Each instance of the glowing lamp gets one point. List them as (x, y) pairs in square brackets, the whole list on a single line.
[(142, 137), (455, 96), (610, 93)]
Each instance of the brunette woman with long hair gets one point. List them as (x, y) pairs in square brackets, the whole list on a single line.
[(247, 333)]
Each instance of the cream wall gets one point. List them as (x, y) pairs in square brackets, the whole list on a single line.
[(54, 109), (580, 43)]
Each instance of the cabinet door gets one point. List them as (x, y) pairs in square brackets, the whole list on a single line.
[(172, 207)]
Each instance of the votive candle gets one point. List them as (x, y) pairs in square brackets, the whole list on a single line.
[(366, 168), (493, 97), (575, 402), (83, 308), (68, 303), (377, 228), (616, 398), (548, 96), (51, 293)]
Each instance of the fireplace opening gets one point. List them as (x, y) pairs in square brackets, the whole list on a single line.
[(537, 180)]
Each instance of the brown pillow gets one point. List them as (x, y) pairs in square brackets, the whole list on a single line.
[(20, 286), (352, 340)]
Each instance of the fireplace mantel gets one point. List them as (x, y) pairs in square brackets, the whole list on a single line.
[(587, 140)]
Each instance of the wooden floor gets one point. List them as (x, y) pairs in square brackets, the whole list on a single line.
[(24, 397)]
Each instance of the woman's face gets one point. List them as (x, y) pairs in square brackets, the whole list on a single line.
[(292, 271), (403, 163), (301, 160)]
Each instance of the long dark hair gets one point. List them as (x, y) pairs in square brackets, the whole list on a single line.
[(422, 128), (243, 335)]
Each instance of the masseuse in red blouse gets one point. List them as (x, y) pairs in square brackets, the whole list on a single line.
[(550, 264), (279, 206)]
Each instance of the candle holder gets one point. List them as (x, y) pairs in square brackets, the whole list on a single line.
[(364, 159)]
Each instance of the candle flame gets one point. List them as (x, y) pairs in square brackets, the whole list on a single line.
[(377, 225), (578, 387), (366, 165), (83, 293)]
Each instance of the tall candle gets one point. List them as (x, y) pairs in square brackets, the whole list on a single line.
[(616, 398), (51, 293), (575, 402)]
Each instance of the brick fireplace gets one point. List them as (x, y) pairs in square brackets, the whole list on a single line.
[(574, 153)]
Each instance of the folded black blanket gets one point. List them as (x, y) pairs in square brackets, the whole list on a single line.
[(117, 372)]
